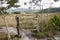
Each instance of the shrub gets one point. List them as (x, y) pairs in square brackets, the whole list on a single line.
[(53, 25), (55, 21)]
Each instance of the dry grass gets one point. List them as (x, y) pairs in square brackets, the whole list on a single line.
[(3, 36), (25, 19)]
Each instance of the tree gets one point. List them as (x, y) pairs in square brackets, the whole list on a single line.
[(16, 12), (56, 0), (11, 4)]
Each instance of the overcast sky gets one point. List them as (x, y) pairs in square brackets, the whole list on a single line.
[(45, 4)]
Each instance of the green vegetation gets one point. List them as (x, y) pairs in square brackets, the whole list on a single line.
[(3, 36), (28, 21), (53, 27), (56, 22), (50, 10), (16, 12)]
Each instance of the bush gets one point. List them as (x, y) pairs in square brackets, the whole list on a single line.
[(53, 26), (55, 21), (17, 12)]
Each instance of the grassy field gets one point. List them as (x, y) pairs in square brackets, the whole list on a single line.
[(25, 19)]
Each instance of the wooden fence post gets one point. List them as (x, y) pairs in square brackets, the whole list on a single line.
[(37, 16), (17, 20)]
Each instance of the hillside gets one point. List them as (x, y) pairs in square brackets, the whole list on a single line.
[(51, 10)]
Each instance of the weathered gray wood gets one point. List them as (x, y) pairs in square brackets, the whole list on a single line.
[(5, 20), (37, 27)]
